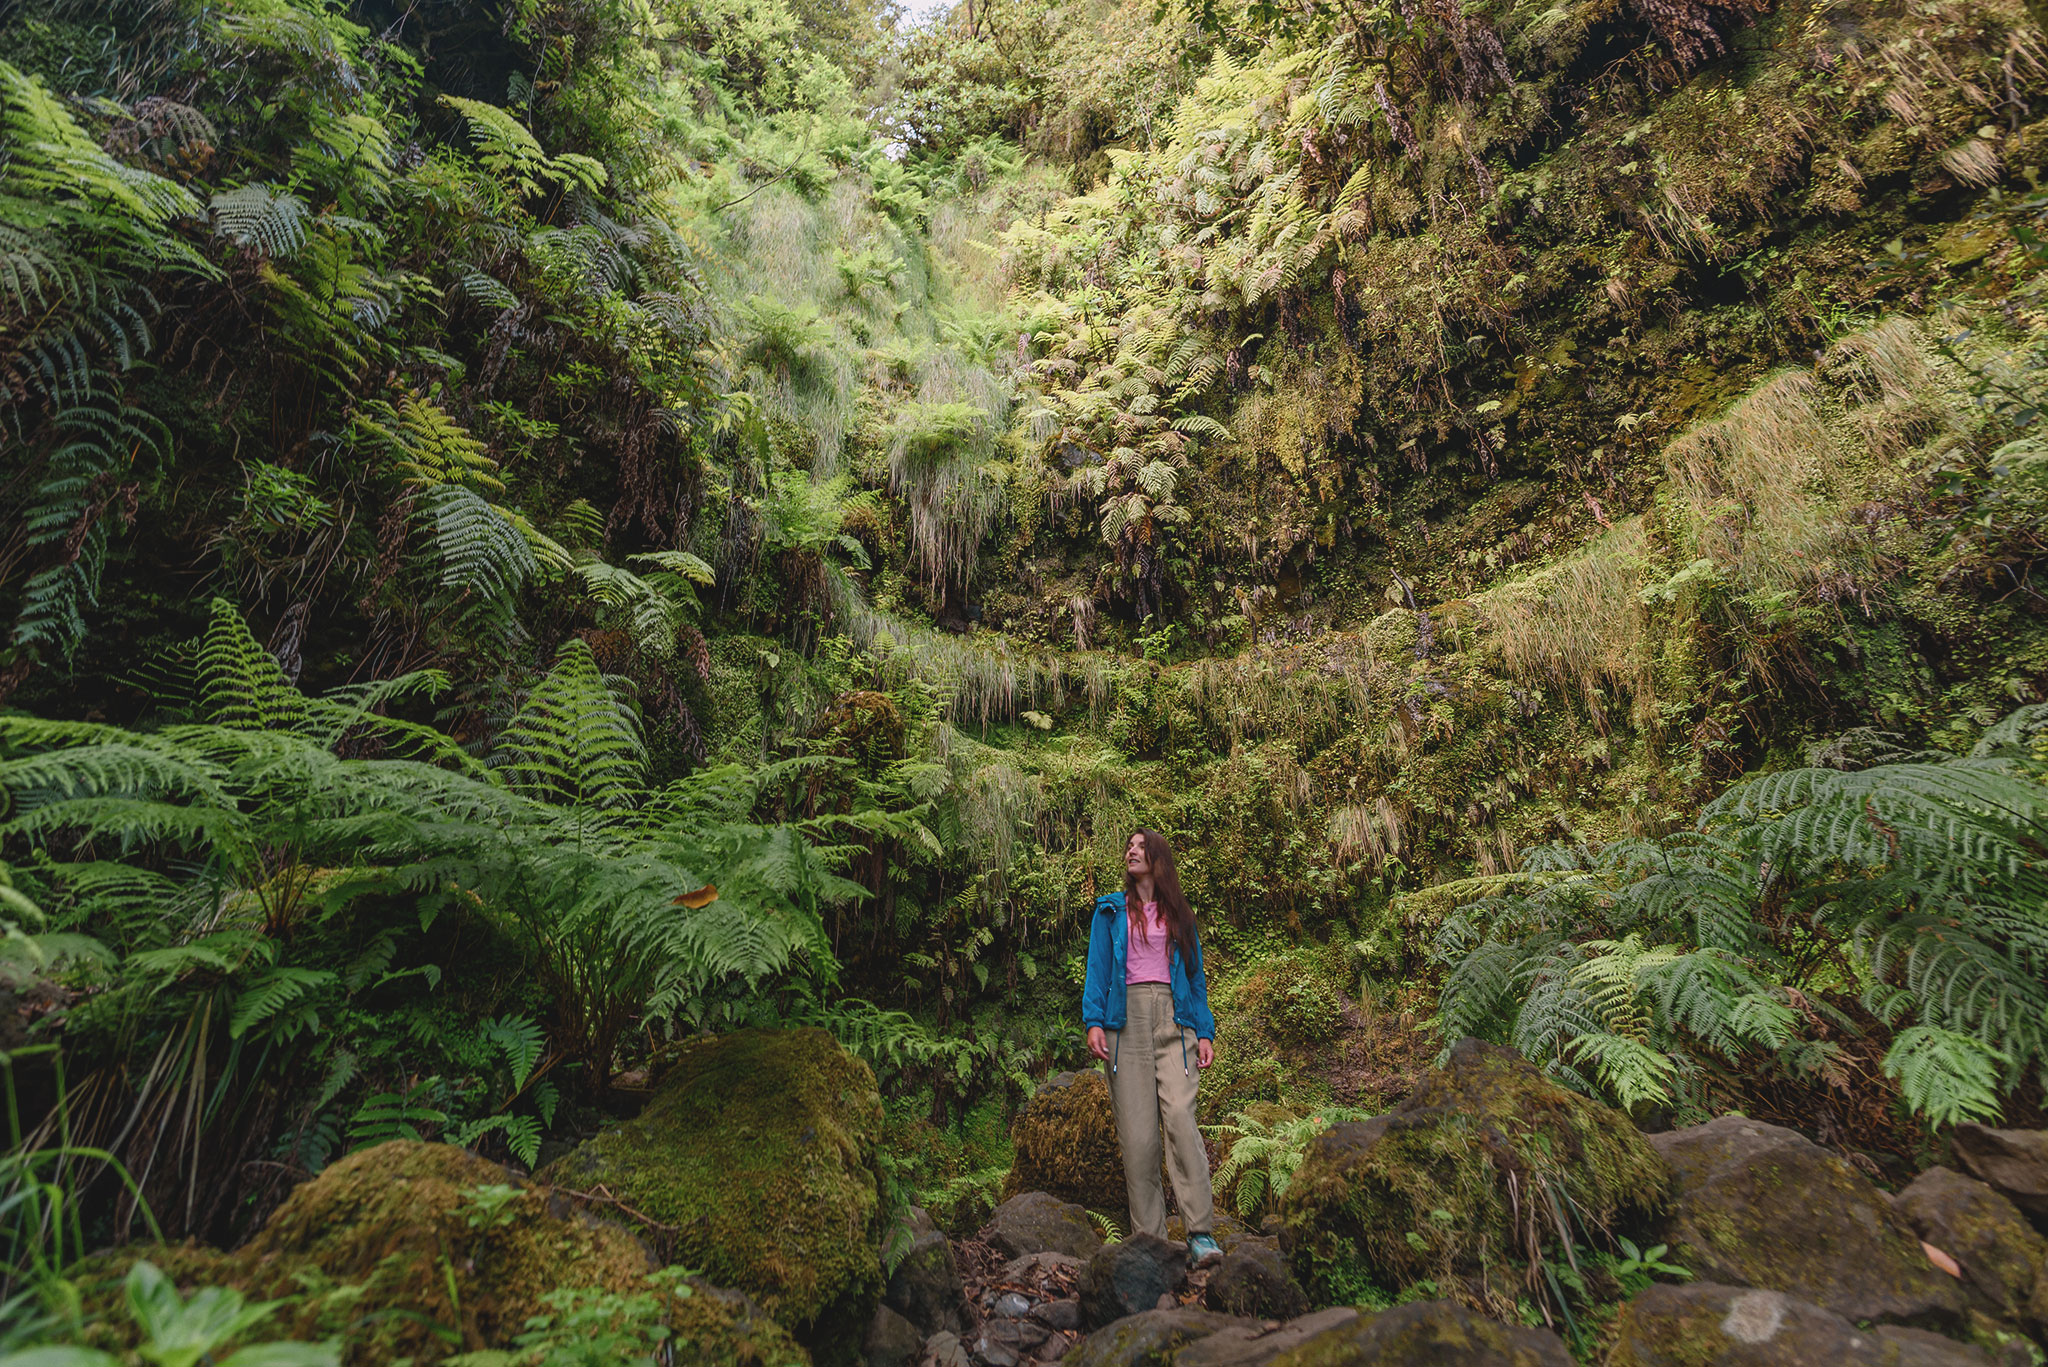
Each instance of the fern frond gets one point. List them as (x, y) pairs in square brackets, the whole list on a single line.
[(574, 740)]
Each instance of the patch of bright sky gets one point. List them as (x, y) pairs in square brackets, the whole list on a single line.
[(915, 12)]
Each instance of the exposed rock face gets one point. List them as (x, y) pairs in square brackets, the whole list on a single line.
[(1418, 1192), (1152, 1337), (2013, 1161), (1436, 1333), (925, 1287), (1129, 1277), (401, 1222), (2002, 1258), (1038, 1223), (1066, 1144), (1760, 1206), (1707, 1325), (758, 1151), (1254, 1280)]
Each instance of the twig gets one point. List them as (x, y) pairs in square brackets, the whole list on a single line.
[(755, 191)]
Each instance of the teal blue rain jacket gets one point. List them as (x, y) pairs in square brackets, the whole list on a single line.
[(1102, 998)]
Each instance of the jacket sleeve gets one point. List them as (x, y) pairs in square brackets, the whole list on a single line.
[(1095, 992), (1198, 985)]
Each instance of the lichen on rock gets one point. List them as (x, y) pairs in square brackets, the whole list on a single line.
[(757, 1156)]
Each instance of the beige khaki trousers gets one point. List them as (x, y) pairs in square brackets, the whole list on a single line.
[(1152, 1077)]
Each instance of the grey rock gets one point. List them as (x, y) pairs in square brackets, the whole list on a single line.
[(1258, 1345), (1129, 1277), (1143, 1340), (1427, 1334), (1062, 1314), (1015, 1338), (1707, 1325), (944, 1349), (2013, 1161), (2001, 1256), (1253, 1280), (925, 1287), (993, 1353), (1010, 1305), (1038, 1223), (892, 1341), (1761, 1206)]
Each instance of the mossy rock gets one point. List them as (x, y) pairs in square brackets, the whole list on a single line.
[(1706, 1323), (1439, 1333), (757, 1156), (1430, 1189), (1066, 1144), (2004, 1262), (717, 1327), (1761, 1206), (391, 1249)]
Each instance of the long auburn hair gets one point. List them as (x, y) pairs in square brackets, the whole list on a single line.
[(1173, 903)]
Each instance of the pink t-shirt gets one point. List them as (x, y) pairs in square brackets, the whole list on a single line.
[(1145, 958)]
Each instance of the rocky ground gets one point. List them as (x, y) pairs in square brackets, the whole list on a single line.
[(756, 1163)]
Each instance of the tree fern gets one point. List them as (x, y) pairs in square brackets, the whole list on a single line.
[(1931, 872), (1946, 1076)]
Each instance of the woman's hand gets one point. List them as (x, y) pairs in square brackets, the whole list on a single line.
[(1205, 1052), (1098, 1043)]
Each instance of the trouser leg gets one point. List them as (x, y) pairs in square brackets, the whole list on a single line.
[(1187, 1162), (1133, 1100)]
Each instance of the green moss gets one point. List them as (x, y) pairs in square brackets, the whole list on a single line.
[(389, 1250), (714, 1327), (1066, 1144), (757, 1157)]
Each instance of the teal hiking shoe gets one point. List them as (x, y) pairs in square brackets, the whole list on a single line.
[(1203, 1250)]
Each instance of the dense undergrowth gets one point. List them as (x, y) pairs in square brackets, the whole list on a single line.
[(535, 530)]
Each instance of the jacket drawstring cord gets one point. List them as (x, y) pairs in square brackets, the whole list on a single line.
[(1116, 1050), (1182, 1032)]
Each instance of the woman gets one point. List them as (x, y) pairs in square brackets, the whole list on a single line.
[(1146, 1006)]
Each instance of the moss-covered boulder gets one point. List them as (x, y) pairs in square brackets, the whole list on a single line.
[(1762, 1206), (757, 1156), (403, 1250), (1707, 1325), (1066, 1145), (1432, 1189)]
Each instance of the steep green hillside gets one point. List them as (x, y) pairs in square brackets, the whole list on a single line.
[(532, 532)]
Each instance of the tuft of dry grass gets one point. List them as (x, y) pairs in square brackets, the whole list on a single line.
[(1579, 622)]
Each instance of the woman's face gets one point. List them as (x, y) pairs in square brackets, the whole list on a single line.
[(1136, 861)]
